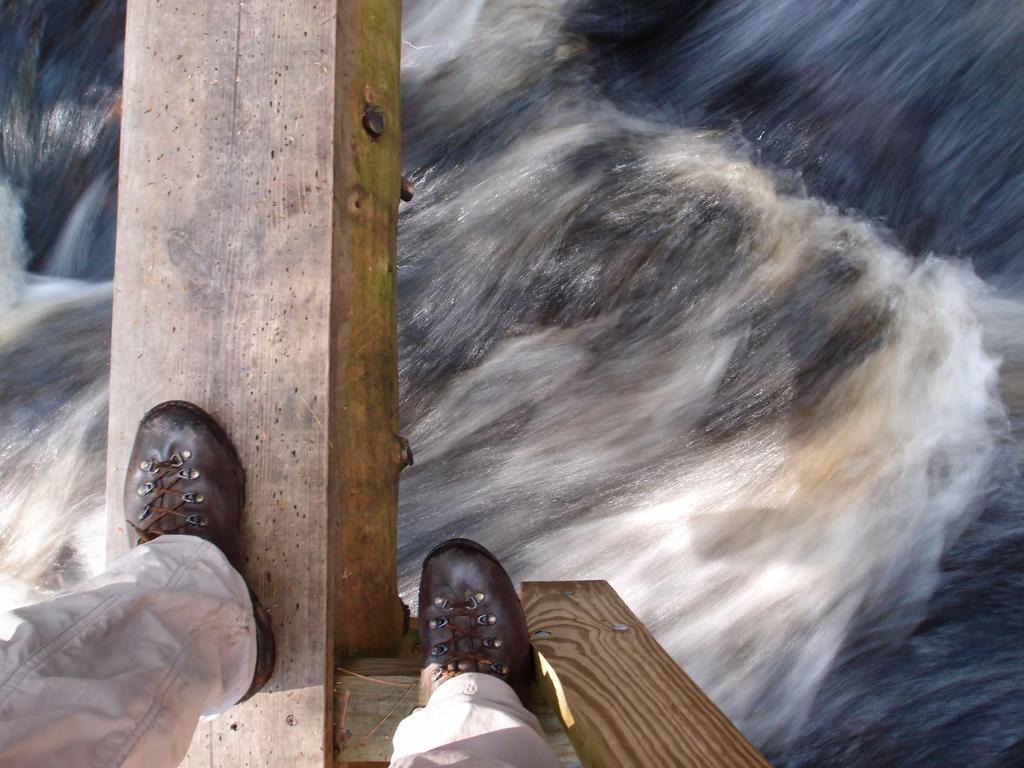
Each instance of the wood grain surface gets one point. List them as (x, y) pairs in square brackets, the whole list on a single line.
[(367, 454), (624, 701), (380, 692), (255, 277)]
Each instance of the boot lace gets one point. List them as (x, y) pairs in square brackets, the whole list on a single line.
[(468, 642), (165, 500)]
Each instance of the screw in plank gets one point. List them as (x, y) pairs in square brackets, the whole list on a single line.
[(620, 628), (291, 720), (542, 633), (373, 120)]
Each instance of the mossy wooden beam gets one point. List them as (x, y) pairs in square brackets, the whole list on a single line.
[(363, 416), (258, 200)]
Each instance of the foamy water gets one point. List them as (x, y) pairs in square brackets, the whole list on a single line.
[(617, 444), (632, 351)]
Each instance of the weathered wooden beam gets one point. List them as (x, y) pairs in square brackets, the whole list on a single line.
[(623, 700), (255, 276), (363, 405)]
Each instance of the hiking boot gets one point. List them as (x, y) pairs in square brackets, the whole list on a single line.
[(471, 619), (185, 478)]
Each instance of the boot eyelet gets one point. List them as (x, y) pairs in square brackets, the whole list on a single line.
[(196, 520), (439, 622), (487, 619), (480, 597), (176, 460), (146, 488), (442, 602), (439, 650), (146, 511), (499, 669), (193, 498), (147, 466), (188, 474), (471, 602), (186, 454), (492, 642)]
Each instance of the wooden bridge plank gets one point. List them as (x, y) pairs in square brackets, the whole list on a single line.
[(383, 691), (363, 425), (255, 277), (624, 701)]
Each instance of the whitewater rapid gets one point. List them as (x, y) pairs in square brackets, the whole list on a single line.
[(636, 345)]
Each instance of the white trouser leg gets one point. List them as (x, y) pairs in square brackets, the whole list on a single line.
[(472, 720), (118, 671)]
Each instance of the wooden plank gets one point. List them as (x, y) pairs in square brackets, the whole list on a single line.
[(377, 700), (380, 692), (255, 277), (623, 700), (363, 414)]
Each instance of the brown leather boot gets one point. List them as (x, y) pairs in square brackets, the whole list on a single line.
[(471, 619), (185, 478)]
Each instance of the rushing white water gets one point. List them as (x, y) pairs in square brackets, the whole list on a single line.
[(13, 252), (579, 450), (44, 517), (51, 490), (630, 351)]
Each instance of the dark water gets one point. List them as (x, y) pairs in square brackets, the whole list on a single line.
[(909, 112), (671, 315)]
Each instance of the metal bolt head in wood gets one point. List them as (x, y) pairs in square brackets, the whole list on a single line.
[(374, 121)]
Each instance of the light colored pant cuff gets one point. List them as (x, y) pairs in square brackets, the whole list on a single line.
[(118, 671), (472, 720)]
